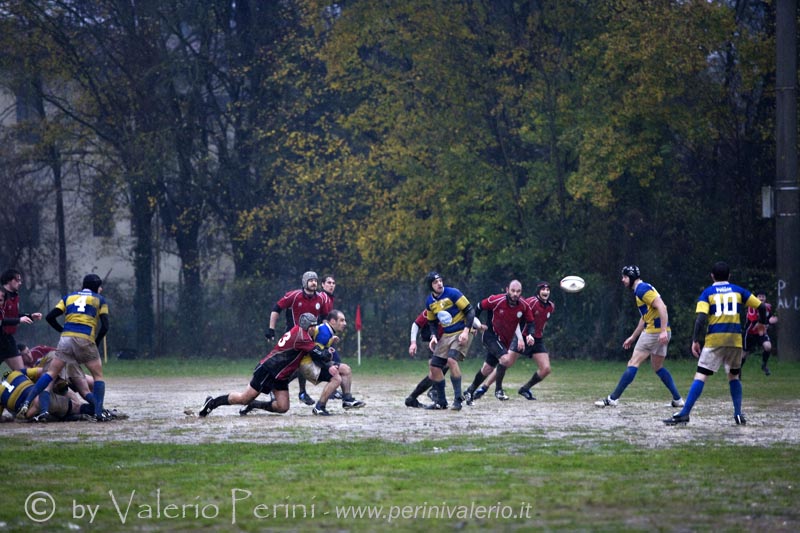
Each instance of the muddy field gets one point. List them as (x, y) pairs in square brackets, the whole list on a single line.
[(165, 410)]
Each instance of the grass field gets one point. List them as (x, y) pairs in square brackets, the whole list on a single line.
[(510, 480)]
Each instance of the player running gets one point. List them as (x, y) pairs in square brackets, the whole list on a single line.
[(448, 307), (653, 334), (508, 315)]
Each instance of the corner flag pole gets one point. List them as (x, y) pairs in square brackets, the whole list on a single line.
[(358, 330)]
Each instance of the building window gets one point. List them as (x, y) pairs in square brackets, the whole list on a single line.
[(27, 227)]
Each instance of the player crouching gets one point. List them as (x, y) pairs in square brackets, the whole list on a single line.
[(322, 365)]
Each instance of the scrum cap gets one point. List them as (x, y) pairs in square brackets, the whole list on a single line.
[(542, 285), (306, 321), (431, 277), (92, 282), (632, 271), (308, 276)]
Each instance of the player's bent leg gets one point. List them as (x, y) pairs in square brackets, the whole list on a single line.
[(79, 381), (348, 402), (542, 361), (452, 363), (506, 361), (281, 403), (333, 383), (244, 397), (767, 351), (638, 357), (435, 374)]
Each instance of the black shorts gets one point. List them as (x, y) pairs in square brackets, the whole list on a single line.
[(754, 342), (324, 373), (8, 346), (264, 381), (538, 347), (495, 349), (280, 384)]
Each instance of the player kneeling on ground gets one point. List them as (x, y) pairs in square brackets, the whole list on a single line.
[(320, 366), (274, 372)]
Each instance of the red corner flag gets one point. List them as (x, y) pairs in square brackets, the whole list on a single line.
[(358, 318)]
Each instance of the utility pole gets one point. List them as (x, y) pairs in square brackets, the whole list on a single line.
[(787, 192)]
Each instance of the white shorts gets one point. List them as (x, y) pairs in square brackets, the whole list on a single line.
[(713, 358), (648, 342)]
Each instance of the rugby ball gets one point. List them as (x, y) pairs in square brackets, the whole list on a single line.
[(572, 283)]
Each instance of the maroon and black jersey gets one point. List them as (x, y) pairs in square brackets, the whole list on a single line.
[(752, 326), (40, 351), (542, 311), (297, 302), (10, 312), (284, 359), (328, 307), (504, 317), (422, 322)]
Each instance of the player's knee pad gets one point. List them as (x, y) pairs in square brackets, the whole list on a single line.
[(705, 371), (455, 354), (438, 362), (736, 371)]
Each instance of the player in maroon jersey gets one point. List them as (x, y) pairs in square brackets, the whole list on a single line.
[(295, 303), (420, 327), (542, 309), (274, 372), (32, 356), (508, 316), (756, 335), (11, 318)]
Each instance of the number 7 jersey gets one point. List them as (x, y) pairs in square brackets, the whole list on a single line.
[(723, 303)]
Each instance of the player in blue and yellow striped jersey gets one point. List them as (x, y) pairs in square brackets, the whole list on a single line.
[(717, 339), (85, 325), (449, 308), (651, 337), (16, 389), (322, 365)]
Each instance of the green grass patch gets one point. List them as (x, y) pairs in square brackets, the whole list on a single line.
[(502, 483)]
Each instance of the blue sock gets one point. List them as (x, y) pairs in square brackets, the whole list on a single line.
[(90, 398), (86, 409), (456, 381), (99, 393), (694, 393), (627, 378), (41, 384), (736, 395), (666, 378), (440, 391), (44, 402)]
